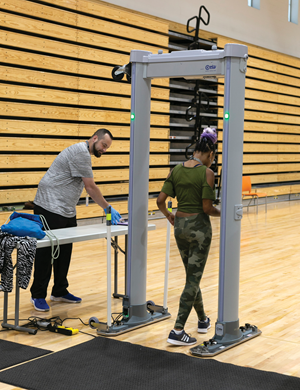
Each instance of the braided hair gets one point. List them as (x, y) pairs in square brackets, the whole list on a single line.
[(207, 142)]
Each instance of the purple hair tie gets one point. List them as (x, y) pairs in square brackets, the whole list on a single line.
[(210, 133)]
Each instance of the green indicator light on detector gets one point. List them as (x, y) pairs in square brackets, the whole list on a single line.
[(132, 116), (226, 116)]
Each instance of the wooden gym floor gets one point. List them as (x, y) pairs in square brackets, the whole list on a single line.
[(269, 292)]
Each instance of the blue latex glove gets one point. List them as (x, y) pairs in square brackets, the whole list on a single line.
[(115, 216)]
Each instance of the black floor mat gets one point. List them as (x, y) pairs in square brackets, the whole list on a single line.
[(107, 364), (14, 353)]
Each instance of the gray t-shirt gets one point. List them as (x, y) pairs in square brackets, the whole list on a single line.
[(61, 187)]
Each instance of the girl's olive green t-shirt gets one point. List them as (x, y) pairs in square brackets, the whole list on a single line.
[(189, 185)]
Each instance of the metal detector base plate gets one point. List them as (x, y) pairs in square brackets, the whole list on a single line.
[(116, 330), (209, 350)]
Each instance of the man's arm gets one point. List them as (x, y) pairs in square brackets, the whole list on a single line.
[(94, 192)]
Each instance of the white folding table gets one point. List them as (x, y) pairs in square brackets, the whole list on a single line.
[(68, 236)]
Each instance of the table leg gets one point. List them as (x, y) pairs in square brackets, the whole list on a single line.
[(116, 294), (5, 304), (17, 297), (126, 251), (116, 268)]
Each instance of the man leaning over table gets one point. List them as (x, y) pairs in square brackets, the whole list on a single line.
[(57, 196)]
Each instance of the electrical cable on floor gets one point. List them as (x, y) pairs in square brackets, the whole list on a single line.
[(118, 319), (88, 334), (75, 318), (42, 323), (53, 324)]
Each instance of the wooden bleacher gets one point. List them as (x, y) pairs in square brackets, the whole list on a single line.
[(271, 127), (57, 89)]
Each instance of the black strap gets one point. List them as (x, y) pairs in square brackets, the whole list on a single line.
[(197, 165)]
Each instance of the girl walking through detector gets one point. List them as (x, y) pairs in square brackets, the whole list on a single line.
[(192, 182)]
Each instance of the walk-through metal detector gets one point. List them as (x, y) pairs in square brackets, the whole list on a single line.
[(230, 63)]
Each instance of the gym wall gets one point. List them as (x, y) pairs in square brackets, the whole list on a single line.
[(267, 27), (272, 125), (56, 90), (272, 120), (272, 104)]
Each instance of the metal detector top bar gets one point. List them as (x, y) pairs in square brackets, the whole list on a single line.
[(188, 63)]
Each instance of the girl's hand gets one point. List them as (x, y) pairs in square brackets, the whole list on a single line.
[(171, 218)]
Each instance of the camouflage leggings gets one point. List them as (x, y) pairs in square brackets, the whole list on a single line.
[(193, 236)]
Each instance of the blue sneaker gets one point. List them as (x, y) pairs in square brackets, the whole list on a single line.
[(69, 298), (203, 326), (40, 304), (181, 339)]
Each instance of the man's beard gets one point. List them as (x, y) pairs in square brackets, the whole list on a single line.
[(95, 151)]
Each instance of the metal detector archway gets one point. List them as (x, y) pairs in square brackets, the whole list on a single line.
[(230, 63)]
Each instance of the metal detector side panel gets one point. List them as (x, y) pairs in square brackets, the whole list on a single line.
[(232, 165), (138, 186)]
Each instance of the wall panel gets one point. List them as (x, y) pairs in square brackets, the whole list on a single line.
[(56, 89), (272, 124)]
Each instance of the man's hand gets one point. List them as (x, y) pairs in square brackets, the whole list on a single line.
[(115, 216)]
